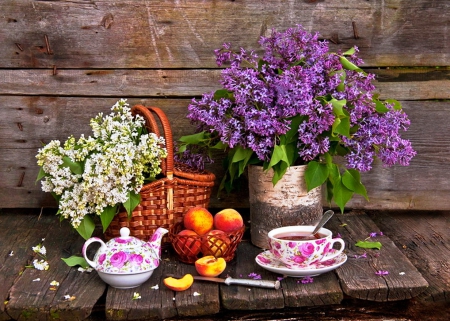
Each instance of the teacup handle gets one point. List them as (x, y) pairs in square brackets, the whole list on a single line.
[(337, 253), (85, 246)]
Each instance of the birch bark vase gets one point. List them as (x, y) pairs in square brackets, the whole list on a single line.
[(285, 204)]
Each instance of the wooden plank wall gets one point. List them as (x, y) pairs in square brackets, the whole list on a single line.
[(62, 62)]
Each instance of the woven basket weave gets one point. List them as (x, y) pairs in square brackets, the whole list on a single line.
[(164, 201)]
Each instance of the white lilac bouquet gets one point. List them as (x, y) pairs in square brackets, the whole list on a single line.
[(97, 174), (297, 104)]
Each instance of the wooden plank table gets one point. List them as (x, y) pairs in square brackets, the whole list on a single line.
[(354, 284)]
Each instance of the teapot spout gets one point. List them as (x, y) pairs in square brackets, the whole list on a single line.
[(155, 241)]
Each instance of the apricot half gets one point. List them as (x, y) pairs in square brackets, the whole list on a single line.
[(179, 284), (210, 265)]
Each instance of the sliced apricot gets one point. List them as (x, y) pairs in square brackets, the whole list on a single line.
[(210, 265), (179, 284)]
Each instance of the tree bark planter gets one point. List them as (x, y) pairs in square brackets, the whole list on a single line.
[(285, 204)]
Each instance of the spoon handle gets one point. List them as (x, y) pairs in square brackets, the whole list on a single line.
[(326, 216)]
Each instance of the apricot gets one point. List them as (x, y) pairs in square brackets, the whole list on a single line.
[(215, 243), (210, 265), (228, 220), (188, 245), (179, 284), (198, 219)]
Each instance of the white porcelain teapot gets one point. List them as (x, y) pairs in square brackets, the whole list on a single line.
[(126, 261)]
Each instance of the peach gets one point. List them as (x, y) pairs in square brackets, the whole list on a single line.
[(198, 219), (179, 284), (210, 265), (228, 220), (189, 244), (215, 243)]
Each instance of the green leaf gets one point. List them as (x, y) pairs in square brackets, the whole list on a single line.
[(380, 107), (346, 64), (222, 93), (107, 216), (396, 103), (241, 158), (368, 245), (132, 201), (41, 174), (193, 139), (278, 172), (341, 194), (75, 260), (316, 174), (292, 133), (86, 227), (352, 180), (278, 155), (75, 167), (349, 52), (341, 126)]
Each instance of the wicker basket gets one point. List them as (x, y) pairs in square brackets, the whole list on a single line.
[(189, 248), (164, 201)]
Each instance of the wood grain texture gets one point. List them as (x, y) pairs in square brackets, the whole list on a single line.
[(401, 84), (358, 276), (172, 34), (32, 296), (62, 62), (424, 245)]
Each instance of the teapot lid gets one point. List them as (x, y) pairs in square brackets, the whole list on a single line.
[(125, 240)]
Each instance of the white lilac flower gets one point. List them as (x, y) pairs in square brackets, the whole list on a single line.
[(114, 163), (40, 249), (136, 296), (54, 283), (41, 265)]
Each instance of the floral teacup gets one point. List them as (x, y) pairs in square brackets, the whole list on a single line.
[(292, 246)]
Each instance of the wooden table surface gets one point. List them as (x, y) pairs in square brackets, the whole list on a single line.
[(415, 252)]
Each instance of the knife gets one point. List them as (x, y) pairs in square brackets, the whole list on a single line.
[(229, 281)]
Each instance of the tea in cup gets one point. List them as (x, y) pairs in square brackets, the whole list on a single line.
[(295, 247)]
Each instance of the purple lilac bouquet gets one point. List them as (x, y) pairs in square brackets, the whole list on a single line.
[(298, 104)]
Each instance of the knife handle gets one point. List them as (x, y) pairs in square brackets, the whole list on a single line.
[(259, 283)]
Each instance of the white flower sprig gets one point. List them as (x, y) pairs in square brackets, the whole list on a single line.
[(104, 170), (40, 264)]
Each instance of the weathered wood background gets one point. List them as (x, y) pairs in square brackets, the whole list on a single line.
[(62, 62)]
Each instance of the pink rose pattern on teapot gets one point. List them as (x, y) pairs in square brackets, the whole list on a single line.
[(130, 255)]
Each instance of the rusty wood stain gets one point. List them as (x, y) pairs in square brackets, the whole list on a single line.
[(20, 126), (21, 179), (355, 30), (18, 45), (334, 38), (107, 20), (47, 45), (55, 72)]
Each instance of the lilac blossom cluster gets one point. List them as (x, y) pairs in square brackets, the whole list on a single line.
[(297, 76)]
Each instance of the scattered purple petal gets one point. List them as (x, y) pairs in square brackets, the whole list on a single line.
[(306, 280), (373, 234), (254, 276), (362, 256), (381, 272), (280, 278)]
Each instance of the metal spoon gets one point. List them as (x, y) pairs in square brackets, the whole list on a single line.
[(326, 216)]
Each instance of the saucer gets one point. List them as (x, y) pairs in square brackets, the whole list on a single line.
[(267, 261)]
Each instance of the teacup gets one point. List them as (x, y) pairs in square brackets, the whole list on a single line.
[(289, 245)]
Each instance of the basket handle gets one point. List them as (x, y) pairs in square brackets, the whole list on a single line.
[(150, 121)]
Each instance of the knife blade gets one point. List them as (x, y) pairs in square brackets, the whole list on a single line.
[(229, 281)]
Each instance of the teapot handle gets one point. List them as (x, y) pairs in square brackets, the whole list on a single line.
[(85, 246)]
